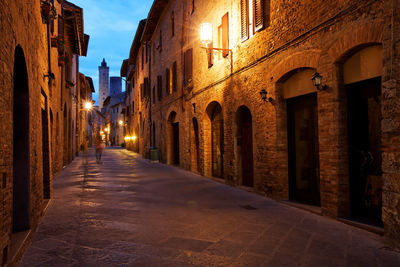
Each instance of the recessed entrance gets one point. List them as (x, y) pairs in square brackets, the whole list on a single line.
[(365, 160), (195, 144), (21, 159), (173, 140), (215, 123), (45, 148), (303, 149), (244, 141)]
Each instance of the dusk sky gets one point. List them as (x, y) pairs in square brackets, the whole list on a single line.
[(111, 25)]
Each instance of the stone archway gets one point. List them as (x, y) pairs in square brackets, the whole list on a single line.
[(173, 155), (299, 99), (194, 145), (213, 140), (362, 70), (21, 144), (244, 148)]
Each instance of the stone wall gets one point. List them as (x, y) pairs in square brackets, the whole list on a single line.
[(316, 35), (22, 29)]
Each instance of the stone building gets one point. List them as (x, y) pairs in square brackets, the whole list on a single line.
[(112, 110), (332, 145), (115, 85), (38, 70), (104, 72)]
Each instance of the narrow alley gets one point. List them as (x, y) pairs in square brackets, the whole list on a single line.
[(130, 212)]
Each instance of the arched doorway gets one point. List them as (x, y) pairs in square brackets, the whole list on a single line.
[(21, 145), (65, 135), (302, 136), (45, 147), (173, 140), (244, 140), (216, 124), (195, 144), (362, 73)]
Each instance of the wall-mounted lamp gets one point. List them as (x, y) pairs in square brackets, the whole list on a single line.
[(207, 40), (50, 75), (264, 96), (317, 81)]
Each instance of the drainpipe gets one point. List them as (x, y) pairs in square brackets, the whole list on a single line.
[(49, 53)]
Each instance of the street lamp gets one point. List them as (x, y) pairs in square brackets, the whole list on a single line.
[(317, 81), (121, 122), (88, 105), (207, 40)]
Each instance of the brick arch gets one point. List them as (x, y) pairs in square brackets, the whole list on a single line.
[(371, 33), (304, 59)]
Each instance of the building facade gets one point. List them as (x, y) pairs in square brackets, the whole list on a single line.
[(253, 113), (38, 70), (115, 85)]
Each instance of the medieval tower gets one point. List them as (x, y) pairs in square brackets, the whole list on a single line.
[(103, 82)]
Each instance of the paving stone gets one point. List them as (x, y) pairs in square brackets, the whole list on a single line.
[(169, 217)]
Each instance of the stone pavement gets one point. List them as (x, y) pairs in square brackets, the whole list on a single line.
[(129, 212)]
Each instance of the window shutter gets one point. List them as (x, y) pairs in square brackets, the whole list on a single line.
[(174, 78), (141, 91), (244, 20), (258, 14), (225, 35), (188, 69), (159, 87), (167, 81)]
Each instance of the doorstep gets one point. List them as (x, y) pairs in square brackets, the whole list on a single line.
[(370, 228), (310, 208)]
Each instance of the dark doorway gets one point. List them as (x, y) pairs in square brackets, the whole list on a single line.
[(195, 145), (217, 141), (303, 152), (245, 144), (175, 134), (365, 160), (65, 135), (45, 149), (21, 149)]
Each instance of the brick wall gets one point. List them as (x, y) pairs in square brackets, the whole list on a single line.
[(318, 35)]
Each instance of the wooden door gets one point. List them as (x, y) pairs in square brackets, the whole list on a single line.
[(303, 149), (365, 160)]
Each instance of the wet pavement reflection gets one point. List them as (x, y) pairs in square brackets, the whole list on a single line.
[(127, 211)]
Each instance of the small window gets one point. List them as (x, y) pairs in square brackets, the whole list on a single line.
[(142, 58), (172, 24), (167, 82), (188, 66), (254, 15), (174, 77), (159, 87)]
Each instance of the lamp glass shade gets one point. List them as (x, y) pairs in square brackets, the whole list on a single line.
[(263, 94), (317, 79), (206, 33)]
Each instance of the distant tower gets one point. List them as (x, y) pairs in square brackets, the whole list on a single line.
[(115, 85), (103, 82)]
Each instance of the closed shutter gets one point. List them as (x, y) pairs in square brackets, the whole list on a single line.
[(244, 20), (159, 87), (141, 91), (167, 81), (258, 14), (225, 35), (188, 66), (174, 78), (60, 26)]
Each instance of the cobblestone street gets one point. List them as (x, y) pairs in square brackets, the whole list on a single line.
[(129, 212)]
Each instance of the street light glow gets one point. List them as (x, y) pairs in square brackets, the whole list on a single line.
[(88, 105), (206, 33), (121, 122)]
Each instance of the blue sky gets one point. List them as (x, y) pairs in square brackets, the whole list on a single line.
[(111, 25)]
